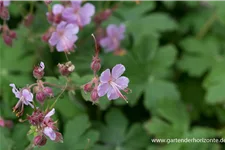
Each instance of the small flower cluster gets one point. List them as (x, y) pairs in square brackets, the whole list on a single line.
[(110, 83), (43, 126), (110, 38), (66, 22), (41, 123), (4, 13)]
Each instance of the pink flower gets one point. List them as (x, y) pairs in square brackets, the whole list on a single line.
[(114, 35), (6, 3), (25, 98), (64, 37), (56, 15), (112, 83), (77, 14), (49, 129), (38, 71)]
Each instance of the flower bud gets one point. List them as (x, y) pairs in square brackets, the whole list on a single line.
[(4, 13), (12, 34), (45, 37), (38, 71), (48, 2), (66, 69), (88, 87), (36, 118), (28, 20), (7, 39), (59, 137), (102, 16), (48, 91), (95, 65), (39, 140), (94, 95), (40, 97), (57, 19), (2, 122)]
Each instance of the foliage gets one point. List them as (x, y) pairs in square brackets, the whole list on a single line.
[(175, 61)]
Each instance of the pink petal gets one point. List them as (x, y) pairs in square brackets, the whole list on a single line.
[(15, 90), (54, 39), (111, 30), (27, 95), (88, 10), (69, 15), (122, 82), (103, 89), (112, 94), (71, 29), (61, 26), (105, 76), (57, 9), (50, 133), (76, 4), (42, 65), (117, 71), (50, 113)]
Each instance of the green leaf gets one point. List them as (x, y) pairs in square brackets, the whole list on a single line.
[(78, 135), (152, 25), (199, 55), (20, 132), (158, 89), (6, 142), (136, 12), (215, 84), (114, 135)]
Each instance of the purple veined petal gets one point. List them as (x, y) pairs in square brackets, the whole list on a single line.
[(88, 10), (111, 30), (122, 82), (27, 95), (64, 44), (71, 29), (104, 42), (69, 15), (122, 29), (50, 113), (112, 94), (15, 90), (117, 71), (6, 3), (50, 133), (83, 20), (61, 26), (57, 9), (76, 4), (42, 65), (105, 76), (103, 89), (54, 39)]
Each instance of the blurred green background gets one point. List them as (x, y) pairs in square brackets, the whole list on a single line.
[(175, 61)]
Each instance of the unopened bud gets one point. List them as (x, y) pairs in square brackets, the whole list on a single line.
[(40, 97), (4, 13), (57, 19), (36, 118), (88, 87), (38, 71), (95, 65), (12, 34), (102, 16), (28, 20), (39, 140), (59, 137), (94, 95), (46, 36), (48, 2), (66, 69), (48, 92), (7, 39)]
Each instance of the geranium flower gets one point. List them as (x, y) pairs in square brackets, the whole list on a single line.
[(25, 98), (112, 83), (64, 37), (114, 35), (77, 14)]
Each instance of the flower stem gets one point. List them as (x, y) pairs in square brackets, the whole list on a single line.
[(206, 26)]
